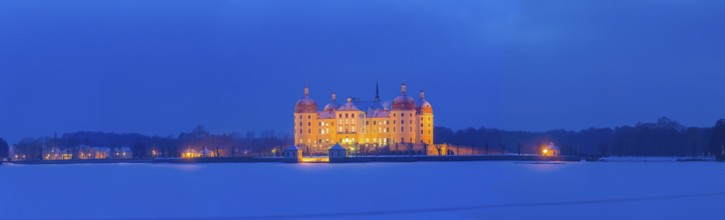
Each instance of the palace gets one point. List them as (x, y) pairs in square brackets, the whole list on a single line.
[(364, 125)]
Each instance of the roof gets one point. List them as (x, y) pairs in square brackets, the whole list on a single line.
[(337, 147), (293, 147)]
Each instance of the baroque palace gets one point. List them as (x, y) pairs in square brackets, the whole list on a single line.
[(405, 124)]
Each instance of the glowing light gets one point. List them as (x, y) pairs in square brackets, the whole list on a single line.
[(315, 159)]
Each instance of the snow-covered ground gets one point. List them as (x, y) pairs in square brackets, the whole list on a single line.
[(491, 190)]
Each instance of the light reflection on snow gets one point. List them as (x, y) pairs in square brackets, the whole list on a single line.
[(544, 166)]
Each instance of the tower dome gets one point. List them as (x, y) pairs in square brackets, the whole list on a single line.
[(403, 101), (423, 106), (306, 104), (332, 106)]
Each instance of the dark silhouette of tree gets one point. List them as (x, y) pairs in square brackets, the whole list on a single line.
[(604, 148), (139, 150), (4, 149), (717, 141)]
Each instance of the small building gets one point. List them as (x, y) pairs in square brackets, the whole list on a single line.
[(337, 151), (550, 150), (206, 152), (54, 153), (190, 153), (293, 153), (122, 153), (100, 152)]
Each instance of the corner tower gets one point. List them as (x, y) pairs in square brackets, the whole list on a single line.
[(305, 120)]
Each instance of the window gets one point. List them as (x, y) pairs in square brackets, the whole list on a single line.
[(300, 132), (340, 116), (308, 117), (402, 122), (393, 121), (374, 123), (300, 123), (410, 121), (402, 129), (393, 115), (352, 115), (309, 131), (367, 122), (421, 125), (421, 131), (345, 115), (309, 123), (411, 114)]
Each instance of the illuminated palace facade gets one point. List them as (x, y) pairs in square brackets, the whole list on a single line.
[(364, 124)]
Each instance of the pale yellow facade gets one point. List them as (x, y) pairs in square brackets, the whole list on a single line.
[(360, 125)]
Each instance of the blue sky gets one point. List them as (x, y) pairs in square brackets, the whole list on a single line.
[(162, 67)]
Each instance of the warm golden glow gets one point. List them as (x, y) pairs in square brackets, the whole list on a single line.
[(315, 159)]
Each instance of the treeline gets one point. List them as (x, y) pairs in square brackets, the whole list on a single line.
[(142, 146), (665, 137)]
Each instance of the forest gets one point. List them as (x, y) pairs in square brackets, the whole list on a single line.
[(665, 137)]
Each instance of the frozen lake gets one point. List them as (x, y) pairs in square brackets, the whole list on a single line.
[(423, 190)]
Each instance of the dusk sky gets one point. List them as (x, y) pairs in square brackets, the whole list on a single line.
[(163, 67)]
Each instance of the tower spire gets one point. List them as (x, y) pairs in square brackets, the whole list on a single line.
[(307, 90), (422, 94), (377, 91), (402, 89)]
